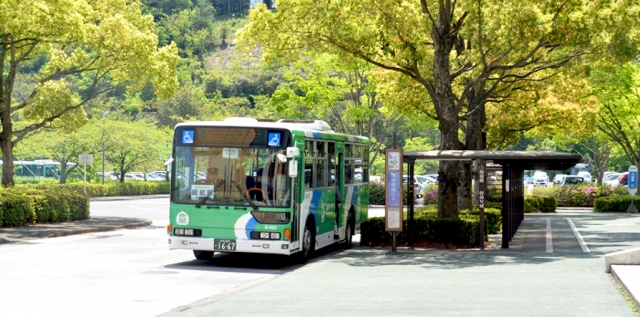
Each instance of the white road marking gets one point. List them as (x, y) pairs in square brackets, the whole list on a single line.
[(549, 237), (583, 245)]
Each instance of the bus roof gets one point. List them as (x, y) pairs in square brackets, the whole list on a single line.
[(311, 128)]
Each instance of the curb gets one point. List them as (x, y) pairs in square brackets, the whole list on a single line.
[(43, 231), (112, 198)]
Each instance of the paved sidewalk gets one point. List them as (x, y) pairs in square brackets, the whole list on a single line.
[(629, 277)]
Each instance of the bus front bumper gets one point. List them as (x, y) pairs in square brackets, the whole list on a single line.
[(242, 246)]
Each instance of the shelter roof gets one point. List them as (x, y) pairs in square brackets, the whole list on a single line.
[(549, 160)]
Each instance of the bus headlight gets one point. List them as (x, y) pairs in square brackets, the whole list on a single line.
[(275, 236), (264, 235), (188, 232), (178, 231)]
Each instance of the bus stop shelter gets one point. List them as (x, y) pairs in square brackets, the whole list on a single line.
[(513, 163)]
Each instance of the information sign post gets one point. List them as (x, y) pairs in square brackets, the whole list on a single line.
[(393, 201), (482, 190), (85, 159), (633, 187)]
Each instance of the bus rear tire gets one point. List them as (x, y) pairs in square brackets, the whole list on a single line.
[(307, 244), (348, 239), (203, 255)]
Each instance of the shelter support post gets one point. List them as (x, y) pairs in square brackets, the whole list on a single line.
[(512, 201), (410, 200)]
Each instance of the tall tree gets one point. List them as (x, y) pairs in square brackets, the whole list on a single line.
[(88, 49), (344, 92), (618, 91), (463, 54)]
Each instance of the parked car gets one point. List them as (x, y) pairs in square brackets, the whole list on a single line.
[(622, 180), (572, 180), (610, 179), (540, 179), (586, 175), (154, 177), (417, 185), (558, 178), (432, 178)]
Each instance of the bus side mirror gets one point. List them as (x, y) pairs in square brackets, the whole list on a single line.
[(293, 168)]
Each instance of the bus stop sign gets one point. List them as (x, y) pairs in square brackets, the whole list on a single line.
[(633, 180)]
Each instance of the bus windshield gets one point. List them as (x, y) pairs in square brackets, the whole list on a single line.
[(231, 176)]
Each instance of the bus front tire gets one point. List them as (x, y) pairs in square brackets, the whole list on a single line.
[(203, 255), (307, 244)]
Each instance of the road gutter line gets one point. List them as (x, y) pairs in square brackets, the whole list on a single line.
[(549, 237), (583, 245)]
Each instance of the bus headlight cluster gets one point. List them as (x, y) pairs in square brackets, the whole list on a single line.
[(265, 235), (187, 232)]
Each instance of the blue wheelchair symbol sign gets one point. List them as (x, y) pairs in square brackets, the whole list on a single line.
[(187, 136), (274, 139)]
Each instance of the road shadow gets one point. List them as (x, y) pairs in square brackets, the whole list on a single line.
[(255, 263)]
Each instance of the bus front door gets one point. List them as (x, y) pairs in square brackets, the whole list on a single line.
[(338, 201)]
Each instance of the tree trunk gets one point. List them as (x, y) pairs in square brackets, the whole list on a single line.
[(465, 193), (7, 154), (476, 139), (447, 111)]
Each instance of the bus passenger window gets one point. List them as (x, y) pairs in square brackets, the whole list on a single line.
[(308, 148), (308, 173), (348, 171), (321, 167), (320, 149)]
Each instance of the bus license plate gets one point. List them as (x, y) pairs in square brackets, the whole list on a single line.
[(224, 245)]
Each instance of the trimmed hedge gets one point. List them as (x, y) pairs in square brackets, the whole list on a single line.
[(458, 231), (462, 231), (616, 203), (111, 188), (540, 204), (28, 206)]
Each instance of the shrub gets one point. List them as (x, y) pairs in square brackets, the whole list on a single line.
[(462, 231), (430, 195), (377, 194), (615, 203), (23, 205), (456, 231), (540, 204)]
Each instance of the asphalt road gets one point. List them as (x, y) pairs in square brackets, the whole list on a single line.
[(546, 272)]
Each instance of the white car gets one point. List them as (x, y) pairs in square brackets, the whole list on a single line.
[(557, 180), (540, 179), (586, 175), (611, 179)]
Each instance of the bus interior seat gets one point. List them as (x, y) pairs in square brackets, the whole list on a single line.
[(256, 194), (250, 182)]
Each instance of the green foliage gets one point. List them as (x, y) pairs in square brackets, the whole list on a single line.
[(128, 188), (85, 49), (615, 203), (581, 195), (461, 231), (448, 231), (539, 204), (24, 205)]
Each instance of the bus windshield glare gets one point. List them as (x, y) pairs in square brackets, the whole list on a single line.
[(231, 176)]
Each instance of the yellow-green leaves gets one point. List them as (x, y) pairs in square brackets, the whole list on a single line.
[(53, 99)]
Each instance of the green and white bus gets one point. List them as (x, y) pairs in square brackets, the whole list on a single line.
[(265, 186)]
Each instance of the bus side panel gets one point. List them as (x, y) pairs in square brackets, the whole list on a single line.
[(358, 198), (320, 203)]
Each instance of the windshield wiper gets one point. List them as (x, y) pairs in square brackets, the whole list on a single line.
[(255, 207), (203, 199)]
